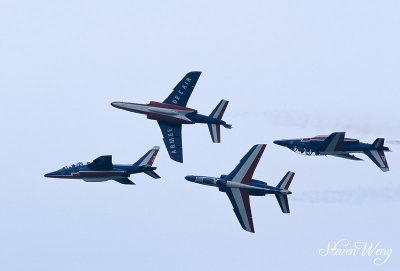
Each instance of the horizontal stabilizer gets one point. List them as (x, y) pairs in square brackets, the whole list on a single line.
[(215, 132), (153, 174), (334, 142), (283, 203), (348, 156), (219, 110), (286, 181), (379, 158), (217, 113), (125, 181), (282, 196)]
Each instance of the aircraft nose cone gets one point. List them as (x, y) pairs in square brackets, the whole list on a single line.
[(51, 174), (116, 104), (190, 178), (280, 142)]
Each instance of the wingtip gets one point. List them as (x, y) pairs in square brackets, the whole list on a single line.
[(177, 160)]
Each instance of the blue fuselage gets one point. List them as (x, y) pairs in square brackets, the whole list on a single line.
[(168, 113), (313, 146), (82, 171)]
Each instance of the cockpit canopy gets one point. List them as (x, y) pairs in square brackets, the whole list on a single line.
[(79, 164)]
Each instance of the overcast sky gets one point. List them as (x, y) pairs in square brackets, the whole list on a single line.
[(288, 68)]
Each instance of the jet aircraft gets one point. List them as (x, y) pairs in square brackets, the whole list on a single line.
[(239, 186), (172, 113), (337, 145), (102, 169)]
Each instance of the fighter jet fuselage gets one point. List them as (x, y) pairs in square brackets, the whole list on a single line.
[(174, 114), (255, 187), (338, 145), (312, 146), (102, 169), (83, 171)]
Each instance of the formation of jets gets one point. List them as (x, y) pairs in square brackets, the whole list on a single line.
[(238, 185)]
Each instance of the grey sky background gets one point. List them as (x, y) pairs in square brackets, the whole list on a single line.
[(288, 68)]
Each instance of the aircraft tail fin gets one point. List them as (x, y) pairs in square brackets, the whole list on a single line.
[(379, 158), (282, 196), (148, 158), (378, 143), (217, 113)]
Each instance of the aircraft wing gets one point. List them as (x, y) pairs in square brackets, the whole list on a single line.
[(347, 156), (245, 169), (125, 181), (181, 93), (334, 142), (102, 162), (240, 200), (172, 136)]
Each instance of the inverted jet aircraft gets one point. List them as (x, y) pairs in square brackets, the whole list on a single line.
[(102, 169), (337, 145), (172, 113), (239, 186)]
